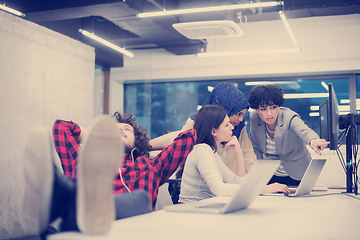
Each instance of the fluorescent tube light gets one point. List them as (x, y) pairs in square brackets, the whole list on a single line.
[(209, 9), (314, 114), (343, 113), (10, 10), (305, 95), (288, 28), (106, 43), (249, 52), (344, 108), (325, 86), (314, 108), (348, 101), (266, 83)]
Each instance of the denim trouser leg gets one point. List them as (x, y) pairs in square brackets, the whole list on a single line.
[(132, 204)]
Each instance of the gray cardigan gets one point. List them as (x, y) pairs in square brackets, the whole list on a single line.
[(291, 137)]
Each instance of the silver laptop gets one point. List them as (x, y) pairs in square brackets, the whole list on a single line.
[(249, 189), (308, 181)]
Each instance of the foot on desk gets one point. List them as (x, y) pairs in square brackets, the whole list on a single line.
[(100, 155)]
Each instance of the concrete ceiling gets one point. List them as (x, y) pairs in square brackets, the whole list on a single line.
[(117, 21)]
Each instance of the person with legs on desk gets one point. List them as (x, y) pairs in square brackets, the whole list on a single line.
[(204, 174), (138, 171), (279, 133), (86, 203)]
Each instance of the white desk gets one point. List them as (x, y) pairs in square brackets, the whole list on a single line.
[(269, 217)]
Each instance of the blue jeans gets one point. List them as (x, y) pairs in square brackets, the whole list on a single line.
[(284, 180)]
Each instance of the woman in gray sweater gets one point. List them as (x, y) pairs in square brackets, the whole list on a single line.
[(279, 133)]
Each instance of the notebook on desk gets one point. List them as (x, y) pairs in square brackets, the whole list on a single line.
[(249, 189)]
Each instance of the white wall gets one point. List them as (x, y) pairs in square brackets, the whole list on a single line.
[(328, 44), (98, 92), (43, 76)]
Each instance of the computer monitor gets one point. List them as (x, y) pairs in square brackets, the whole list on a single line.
[(324, 120), (329, 119), (330, 123)]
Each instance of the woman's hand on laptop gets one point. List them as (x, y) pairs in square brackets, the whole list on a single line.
[(275, 188)]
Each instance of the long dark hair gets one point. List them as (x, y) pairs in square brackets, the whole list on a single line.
[(208, 118), (141, 137)]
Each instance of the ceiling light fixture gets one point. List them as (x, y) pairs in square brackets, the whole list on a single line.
[(314, 114), (288, 28), (344, 113), (314, 108), (348, 101), (260, 51), (305, 95), (209, 9), (249, 52), (209, 29), (342, 108), (266, 83), (106, 43), (325, 85), (10, 10)]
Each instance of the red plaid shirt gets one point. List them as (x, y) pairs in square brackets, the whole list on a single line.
[(66, 140), (140, 174)]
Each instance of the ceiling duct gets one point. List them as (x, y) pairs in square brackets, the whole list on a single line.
[(209, 29)]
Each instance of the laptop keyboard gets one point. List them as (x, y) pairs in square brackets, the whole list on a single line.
[(213, 205)]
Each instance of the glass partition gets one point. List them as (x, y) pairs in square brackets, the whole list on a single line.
[(164, 106)]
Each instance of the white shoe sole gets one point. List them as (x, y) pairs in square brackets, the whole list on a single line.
[(100, 155), (39, 177)]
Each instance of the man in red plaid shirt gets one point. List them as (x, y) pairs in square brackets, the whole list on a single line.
[(138, 172)]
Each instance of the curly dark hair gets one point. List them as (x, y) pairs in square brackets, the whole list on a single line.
[(141, 137), (264, 95)]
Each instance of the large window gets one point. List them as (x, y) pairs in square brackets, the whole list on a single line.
[(164, 107)]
